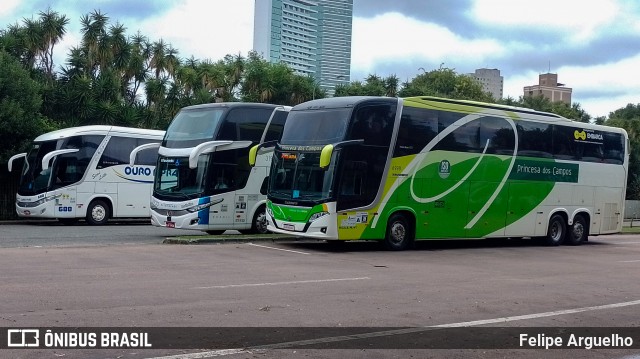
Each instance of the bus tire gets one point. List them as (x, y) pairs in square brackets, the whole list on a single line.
[(98, 212), (258, 223), (215, 232), (556, 231), (399, 235), (578, 232)]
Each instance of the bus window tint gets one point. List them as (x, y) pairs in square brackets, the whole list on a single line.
[(274, 132), (117, 151), (147, 157), (316, 127), (418, 127), (465, 138), (374, 124), (534, 139), (193, 126), (245, 124), (564, 143), (69, 168), (500, 135), (613, 148), (590, 151), (229, 170)]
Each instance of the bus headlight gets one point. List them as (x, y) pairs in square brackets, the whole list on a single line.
[(317, 215)]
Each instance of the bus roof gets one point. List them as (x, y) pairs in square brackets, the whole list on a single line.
[(482, 104), (234, 104), (339, 102), (99, 130)]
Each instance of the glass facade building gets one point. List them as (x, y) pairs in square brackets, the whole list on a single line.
[(312, 37)]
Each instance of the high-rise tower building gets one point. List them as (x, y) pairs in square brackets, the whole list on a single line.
[(490, 80), (312, 37)]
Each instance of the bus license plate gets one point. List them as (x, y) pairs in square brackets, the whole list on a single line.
[(170, 224), (289, 227)]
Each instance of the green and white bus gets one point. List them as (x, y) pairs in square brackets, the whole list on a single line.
[(399, 170)]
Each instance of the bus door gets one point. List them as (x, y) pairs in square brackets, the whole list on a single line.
[(64, 174)]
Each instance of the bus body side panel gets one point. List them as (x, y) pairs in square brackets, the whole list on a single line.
[(248, 199)]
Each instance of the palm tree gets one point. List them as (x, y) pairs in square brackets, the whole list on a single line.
[(53, 30)]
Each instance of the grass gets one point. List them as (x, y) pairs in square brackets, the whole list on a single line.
[(631, 229)]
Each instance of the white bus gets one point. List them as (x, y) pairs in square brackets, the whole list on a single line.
[(203, 179), (84, 172), (421, 168)]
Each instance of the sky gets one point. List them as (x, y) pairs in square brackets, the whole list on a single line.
[(593, 46)]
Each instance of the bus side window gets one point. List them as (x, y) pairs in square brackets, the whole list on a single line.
[(274, 131), (147, 157), (613, 148)]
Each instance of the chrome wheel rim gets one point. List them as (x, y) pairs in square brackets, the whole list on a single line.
[(398, 233), (98, 213), (578, 230), (261, 223), (556, 232)]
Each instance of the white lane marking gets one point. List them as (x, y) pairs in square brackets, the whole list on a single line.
[(634, 261), (403, 331), (278, 249), (211, 354), (450, 325), (282, 283), (538, 315)]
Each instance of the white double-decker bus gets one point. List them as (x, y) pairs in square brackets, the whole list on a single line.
[(84, 172), (203, 179)]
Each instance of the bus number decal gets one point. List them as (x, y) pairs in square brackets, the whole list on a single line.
[(65, 209)]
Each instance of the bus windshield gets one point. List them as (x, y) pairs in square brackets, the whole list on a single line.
[(174, 178), (297, 176), (316, 127), (191, 127), (33, 179), (64, 169)]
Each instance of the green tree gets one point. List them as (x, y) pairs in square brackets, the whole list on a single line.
[(373, 85), (628, 118), (445, 82), (20, 101)]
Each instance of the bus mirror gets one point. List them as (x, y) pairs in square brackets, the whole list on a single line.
[(253, 154), (13, 158), (325, 156)]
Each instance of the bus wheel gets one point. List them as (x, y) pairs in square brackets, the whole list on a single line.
[(98, 212), (398, 235), (578, 232), (258, 223), (216, 232), (556, 231), (68, 221)]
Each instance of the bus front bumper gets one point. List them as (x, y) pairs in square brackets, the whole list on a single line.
[(44, 210), (322, 228), (177, 219)]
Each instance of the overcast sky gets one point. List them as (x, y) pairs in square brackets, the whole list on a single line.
[(593, 46)]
